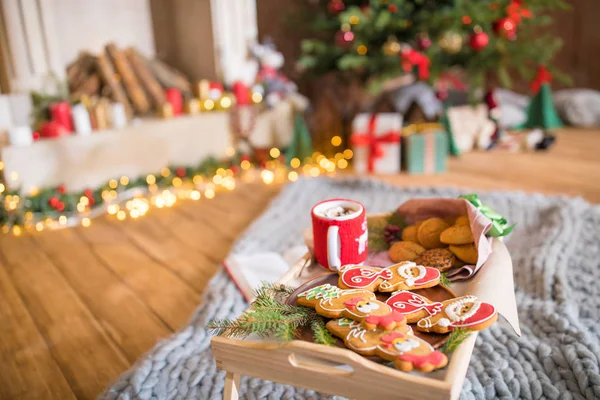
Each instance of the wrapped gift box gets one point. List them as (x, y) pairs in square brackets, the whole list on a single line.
[(425, 148), (376, 143)]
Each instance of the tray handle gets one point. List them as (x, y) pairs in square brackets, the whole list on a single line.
[(325, 369)]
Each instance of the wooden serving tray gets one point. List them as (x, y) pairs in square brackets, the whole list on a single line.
[(339, 371)]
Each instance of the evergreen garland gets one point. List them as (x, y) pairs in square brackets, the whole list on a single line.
[(269, 315), (444, 281)]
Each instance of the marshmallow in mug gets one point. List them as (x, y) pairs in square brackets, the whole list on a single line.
[(335, 212)]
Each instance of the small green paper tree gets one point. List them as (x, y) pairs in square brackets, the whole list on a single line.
[(301, 145), (541, 112)]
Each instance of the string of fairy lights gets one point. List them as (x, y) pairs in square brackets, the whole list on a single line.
[(122, 201)]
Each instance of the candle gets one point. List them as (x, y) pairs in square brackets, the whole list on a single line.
[(118, 115), (99, 116), (53, 130), (61, 112), (81, 120), (20, 136), (203, 89), (192, 106), (241, 93), (174, 98)]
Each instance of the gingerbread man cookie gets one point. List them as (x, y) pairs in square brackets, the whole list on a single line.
[(401, 276), (359, 305), (399, 345), (442, 317)]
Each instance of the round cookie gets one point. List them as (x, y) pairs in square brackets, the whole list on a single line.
[(405, 251), (429, 232), (457, 234), (409, 234), (462, 220), (442, 259), (466, 252)]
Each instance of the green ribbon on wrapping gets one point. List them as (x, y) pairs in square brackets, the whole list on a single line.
[(500, 225)]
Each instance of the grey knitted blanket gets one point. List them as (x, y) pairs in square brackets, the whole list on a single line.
[(556, 254)]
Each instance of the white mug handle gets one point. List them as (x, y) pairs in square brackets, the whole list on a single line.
[(333, 248)]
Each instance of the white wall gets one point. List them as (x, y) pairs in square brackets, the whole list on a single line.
[(90, 24)]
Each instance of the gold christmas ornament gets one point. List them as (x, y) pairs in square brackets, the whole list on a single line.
[(391, 47), (451, 42)]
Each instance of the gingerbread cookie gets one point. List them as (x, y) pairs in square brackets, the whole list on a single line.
[(429, 232), (405, 251), (359, 305), (404, 275), (399, 345), (457, 234), (441, 259), (442, 317), (409, 234), (466, 252)]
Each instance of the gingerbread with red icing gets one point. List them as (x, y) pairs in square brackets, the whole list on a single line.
[(402, 276), (400, 345), (359, 305), (441, 317)]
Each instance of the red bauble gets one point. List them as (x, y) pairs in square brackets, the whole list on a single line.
[(180, 172), (91, 201), (506, 27), (60, 206), (336, 6), (423, 42), (442, 95), (393, 8), (61, 189), (89, 193), (235, 169), (344, 38), (479, 41), (53, 201)]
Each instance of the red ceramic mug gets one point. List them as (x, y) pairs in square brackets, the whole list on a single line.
[(339, 232)]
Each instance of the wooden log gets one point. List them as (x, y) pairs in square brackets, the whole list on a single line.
[(132, 86), (89, 87), (169, 77), (80, 70), (147, 79), (107, 73)]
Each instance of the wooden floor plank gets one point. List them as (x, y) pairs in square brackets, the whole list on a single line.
[(27, 368), (134, 328), (160, 244), (85, 354), (171, 298)]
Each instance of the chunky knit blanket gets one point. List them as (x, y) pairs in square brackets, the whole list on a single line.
[(556, 254)]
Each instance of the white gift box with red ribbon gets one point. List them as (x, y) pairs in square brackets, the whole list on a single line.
[(376, 143)]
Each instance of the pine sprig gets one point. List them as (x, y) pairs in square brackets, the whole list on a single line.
[(269, 315), (456, 337), (444, 281), (320, 334)]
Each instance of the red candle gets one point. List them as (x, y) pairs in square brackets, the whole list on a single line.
[(61, 112), (53, 129), (241, 93), (174, 98)]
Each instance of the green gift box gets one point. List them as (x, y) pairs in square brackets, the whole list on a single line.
[(425, 148)]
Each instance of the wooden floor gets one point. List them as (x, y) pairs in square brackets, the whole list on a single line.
[(79, 306)]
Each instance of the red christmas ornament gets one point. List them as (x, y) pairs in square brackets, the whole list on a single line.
[(235, 169), (91, 201), (423, 42), (479, 41), (61, 189), (466, 20), (442, 95), (506, 27), (36, 136), (89, 193), (336, 6), (516, 11), (60, 206), (180, 172), (344, 38), (393, 8), (53, 201)]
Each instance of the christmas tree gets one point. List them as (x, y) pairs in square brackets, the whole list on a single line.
[(381, 39), (541, 112)]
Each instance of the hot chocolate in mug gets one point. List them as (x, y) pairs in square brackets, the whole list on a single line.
[(340, 233)]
